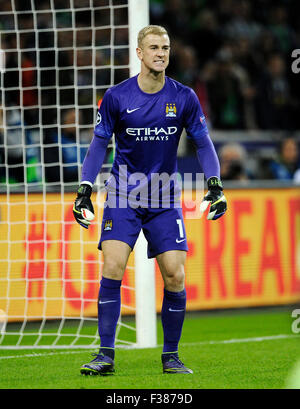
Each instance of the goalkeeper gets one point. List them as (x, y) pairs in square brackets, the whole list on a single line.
[(147, 113)]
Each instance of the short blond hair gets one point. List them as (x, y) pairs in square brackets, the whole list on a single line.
[(151, 29)]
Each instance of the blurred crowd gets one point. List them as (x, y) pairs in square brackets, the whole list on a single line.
[(235, 54), (64, 51), (285, 164)]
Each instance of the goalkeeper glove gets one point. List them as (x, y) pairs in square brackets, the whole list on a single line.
[(83, 210), (215, 198)]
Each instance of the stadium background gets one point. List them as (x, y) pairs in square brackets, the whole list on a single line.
[(237, 57)]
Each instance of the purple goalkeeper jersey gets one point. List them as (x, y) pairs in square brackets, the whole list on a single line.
[(147, 129)]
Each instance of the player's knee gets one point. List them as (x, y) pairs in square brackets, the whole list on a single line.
[(113, 269), (174, 280)]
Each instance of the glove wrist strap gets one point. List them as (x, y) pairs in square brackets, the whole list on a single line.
[(214, 183), (84, 190)]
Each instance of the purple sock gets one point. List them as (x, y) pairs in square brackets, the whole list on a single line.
[(109, 307), (172, 317)]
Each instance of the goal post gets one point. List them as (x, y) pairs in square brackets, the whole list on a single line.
[(138, 17), (56, 61)]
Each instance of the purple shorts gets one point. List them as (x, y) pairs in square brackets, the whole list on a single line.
[(163, 228)]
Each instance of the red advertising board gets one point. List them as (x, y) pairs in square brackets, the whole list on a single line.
[(50, 267)]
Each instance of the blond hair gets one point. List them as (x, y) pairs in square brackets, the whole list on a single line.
[(151, 29)]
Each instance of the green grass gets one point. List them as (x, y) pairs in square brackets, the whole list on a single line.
[(251, 364)]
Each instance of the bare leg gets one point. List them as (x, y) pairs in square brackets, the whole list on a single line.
[(171, 264), (115, 254)]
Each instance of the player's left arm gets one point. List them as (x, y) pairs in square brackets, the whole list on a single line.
[(214, 198), (209, 162)]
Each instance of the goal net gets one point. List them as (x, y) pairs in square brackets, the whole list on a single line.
[(57, 58)]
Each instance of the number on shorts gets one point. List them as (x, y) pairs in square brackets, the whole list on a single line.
[(179, 222)]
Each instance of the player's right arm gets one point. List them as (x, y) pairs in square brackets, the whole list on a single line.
[(83, 210)]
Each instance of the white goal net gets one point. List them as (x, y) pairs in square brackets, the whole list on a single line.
[(57, 58)]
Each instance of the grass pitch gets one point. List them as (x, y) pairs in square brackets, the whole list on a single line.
[(244, 349)]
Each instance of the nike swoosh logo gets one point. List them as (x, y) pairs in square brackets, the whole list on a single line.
[(105, 302), (179, 241), (171, 309), (132, 110)]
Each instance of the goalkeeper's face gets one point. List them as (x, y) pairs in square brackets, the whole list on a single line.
[(155, 52)]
